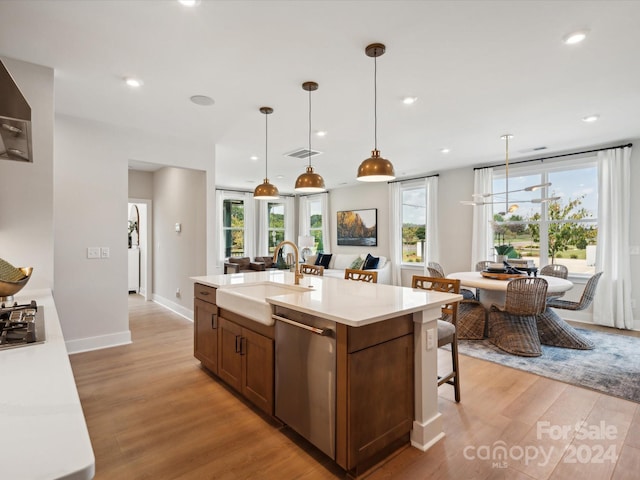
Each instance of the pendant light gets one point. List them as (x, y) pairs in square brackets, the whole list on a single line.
[(375, 168), (309, 182), (266, 190)]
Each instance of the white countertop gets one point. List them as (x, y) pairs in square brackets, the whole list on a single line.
[(43, 433), (344, 301)]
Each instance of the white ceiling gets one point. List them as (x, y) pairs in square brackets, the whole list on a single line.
[(478, 68)]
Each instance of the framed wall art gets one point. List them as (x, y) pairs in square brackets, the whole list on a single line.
[(358, 227)]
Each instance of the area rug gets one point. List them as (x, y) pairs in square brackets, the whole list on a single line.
[(613, 367)]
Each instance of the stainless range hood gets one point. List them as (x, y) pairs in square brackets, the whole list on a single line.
[(15, 120)]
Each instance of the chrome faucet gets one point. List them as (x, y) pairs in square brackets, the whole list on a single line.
[(297, 273)]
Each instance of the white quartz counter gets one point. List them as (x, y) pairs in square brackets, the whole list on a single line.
[(43, 433), (344, 301)]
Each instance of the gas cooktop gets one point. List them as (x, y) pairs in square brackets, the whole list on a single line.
[(21, 325)]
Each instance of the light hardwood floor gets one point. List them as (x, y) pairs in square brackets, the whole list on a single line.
[(154, 413)]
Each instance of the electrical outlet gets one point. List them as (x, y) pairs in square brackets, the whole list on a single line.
[(93, 252), (104, 252), (178, 292)]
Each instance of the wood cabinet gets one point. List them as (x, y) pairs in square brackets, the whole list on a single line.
[(245, 360), (205, 329)]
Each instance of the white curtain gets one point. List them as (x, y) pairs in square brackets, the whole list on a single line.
[(395, 232), (326, 221), (432, 249), (482, 234), (303, 215), (262, 242), (612, 302)]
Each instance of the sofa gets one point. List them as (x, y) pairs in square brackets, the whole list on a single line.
[(242, 264), (341, 261)]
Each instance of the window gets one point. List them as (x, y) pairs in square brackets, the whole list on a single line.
[(414, 221), (563, 230), (315, 224), (276, 228), (233, 223)]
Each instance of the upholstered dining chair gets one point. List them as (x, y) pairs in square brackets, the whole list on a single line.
[(312, 269), (361, 275), (513, 328), (446, 326)]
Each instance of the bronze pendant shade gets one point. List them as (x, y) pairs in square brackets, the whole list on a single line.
[(266, 190), (309, 182), (375, 168)]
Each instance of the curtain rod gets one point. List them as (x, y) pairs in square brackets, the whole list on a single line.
[(413, 178), (557, 156)]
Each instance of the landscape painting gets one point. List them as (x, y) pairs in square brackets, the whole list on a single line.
[(358, 227)]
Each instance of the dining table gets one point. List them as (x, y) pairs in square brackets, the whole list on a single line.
[(551, 328), (492, 291)]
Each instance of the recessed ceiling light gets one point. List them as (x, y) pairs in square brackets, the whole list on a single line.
[(279, 177), (133, 82), (321, 133), (445, 150), (590, 118), (575, 37), (253, 157), (189, 3), (409, 100), (202, 100)]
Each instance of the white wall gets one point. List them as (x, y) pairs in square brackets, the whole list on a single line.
[(140, 184), (359, 197), (90, 199), (26, 196), (179, 197)]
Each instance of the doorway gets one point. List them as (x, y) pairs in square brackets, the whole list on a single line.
[(145, 245)]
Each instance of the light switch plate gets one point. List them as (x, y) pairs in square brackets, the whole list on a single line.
[(93, 252), (104, 252)]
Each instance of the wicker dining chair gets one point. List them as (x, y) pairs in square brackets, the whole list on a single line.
[(437, 268), (585, 299), (312, 269), (513, 328), (483, 265), (553, 330), (555, 270), (446, 326), (361, 275)]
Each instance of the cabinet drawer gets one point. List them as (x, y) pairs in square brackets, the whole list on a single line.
[(204, 292)]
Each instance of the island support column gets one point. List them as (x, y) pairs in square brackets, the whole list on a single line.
[(427, 423)]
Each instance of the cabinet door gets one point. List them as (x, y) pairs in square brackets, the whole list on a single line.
[(257, 360), (229, 358), (205, 334), (380, 397)]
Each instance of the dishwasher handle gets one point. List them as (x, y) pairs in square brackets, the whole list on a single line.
[(323, 332)]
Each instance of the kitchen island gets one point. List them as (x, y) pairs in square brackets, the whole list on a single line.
[(385, 356), (42, 427)]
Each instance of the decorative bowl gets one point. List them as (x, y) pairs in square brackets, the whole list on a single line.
[(8, 289)]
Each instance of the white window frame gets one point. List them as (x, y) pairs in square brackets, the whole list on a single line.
[(544, 169), (249, 227), (405, 186)]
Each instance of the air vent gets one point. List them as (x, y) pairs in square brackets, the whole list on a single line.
[(531, 150), (302, 153)]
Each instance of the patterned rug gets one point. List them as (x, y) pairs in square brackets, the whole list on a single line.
[(613, 367)]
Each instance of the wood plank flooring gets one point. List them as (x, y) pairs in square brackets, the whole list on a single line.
[(154, 413)]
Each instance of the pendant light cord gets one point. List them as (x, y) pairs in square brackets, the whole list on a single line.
[(309, 153), (375, 102), (266, 139)]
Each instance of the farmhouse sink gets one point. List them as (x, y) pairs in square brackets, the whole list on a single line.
[(249, 299)]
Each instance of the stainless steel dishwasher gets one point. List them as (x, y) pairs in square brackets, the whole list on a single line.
[(306, 378)]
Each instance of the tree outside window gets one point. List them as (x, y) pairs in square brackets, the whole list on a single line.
[(414, 219), (233, 227), (315, 225)]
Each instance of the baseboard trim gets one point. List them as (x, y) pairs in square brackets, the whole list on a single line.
[(98, 343), (173, 306)]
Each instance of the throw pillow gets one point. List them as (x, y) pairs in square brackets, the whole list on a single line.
[(357, 264), (370, 263), (324, 259)]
